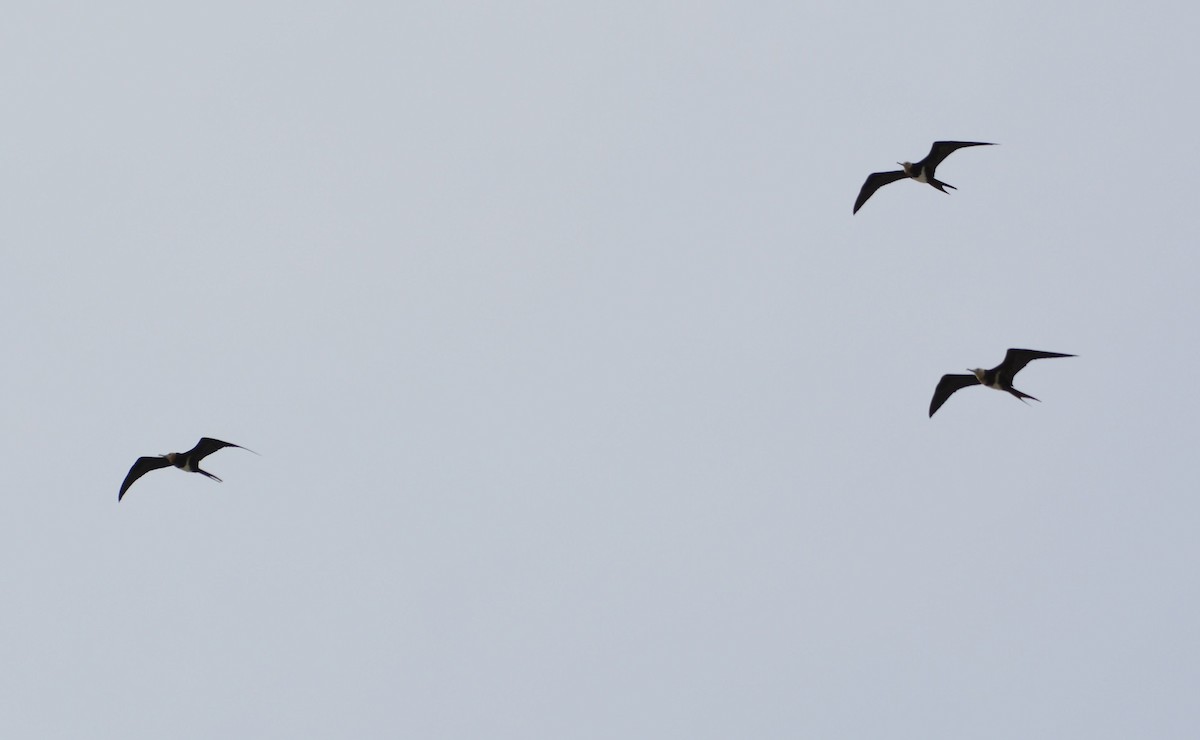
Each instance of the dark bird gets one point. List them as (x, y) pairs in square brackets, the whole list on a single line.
[(189, 461), (999, 377), (921, 171)]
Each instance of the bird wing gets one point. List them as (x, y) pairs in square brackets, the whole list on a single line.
[(947, 386), (1015, 361), (141, 467), (207, 446), (942, 149), (876, 180)]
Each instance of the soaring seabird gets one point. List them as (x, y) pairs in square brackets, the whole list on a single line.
[(189, 461), (921, 171), (999, 377)]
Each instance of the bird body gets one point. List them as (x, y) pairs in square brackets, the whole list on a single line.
[(920, 175), (922, 171), (187, 461), (998, 378)]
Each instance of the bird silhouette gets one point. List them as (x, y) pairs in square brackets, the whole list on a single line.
[(188, 461), (999, 378), (921, 171)]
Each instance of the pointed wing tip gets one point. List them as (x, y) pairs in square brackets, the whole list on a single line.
[(948, 386), (874, 182), (208, 445), (1044, 354)]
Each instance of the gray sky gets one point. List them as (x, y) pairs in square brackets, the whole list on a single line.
[(585, 407)]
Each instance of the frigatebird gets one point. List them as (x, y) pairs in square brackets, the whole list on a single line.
[(189, 461), (1000, 377), (921, 171)]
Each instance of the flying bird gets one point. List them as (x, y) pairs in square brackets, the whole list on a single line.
[(1000, 377), (921, 171), (189, 461)]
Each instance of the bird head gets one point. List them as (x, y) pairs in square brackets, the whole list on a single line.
[(170, 457), (907, 166), (977, 372)]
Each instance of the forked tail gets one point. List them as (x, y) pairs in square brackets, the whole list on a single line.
[(942, 185), (1022, 396)]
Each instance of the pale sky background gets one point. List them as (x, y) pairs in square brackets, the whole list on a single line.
[(585, 407)]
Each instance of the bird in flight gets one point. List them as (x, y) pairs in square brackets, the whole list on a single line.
[(921, 171), (189, 461), (1000, 377)]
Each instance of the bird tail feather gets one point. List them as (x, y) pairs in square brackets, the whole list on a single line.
[(1022, 396)]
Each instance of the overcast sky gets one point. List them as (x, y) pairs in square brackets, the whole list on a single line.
[(585, 407)]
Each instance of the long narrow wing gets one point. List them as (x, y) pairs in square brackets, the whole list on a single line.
[(1015, 361), (876, 180), (141, 467), (207, 446), (942, 149), (947, 386)]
